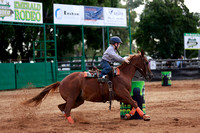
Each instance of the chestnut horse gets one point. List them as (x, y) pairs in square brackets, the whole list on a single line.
[(75, 88)]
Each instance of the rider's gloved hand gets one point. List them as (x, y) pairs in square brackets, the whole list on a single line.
[(127, 61)]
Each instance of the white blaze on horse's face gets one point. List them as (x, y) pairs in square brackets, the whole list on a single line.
[(144, 68), (147, 71)]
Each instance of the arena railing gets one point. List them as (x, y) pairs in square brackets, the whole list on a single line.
[(176, 63)]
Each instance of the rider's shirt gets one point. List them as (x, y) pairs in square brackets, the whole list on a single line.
[(111, 55)]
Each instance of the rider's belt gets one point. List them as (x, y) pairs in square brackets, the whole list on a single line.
[(111, 64)]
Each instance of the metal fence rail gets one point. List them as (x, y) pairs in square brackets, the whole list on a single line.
[(176, 63), (181, 69), (158, 64), (76, 65)]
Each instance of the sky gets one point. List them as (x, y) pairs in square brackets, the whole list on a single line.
[(192, 5)]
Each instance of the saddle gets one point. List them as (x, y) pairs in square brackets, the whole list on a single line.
[(94, 72)]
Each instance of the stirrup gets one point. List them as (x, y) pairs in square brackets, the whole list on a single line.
[(103, 80)]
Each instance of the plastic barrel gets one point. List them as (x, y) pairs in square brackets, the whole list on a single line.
[(137, 94), (166, 78)]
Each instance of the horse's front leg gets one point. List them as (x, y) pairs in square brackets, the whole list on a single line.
[(125, 97)]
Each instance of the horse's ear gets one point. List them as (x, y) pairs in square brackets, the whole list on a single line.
[(139, 52), (142, 53)]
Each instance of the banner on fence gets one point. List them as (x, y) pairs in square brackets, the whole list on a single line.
[(21, 11), (89, 15), (93, 15), (153, 65), (192, 41), (115, 16), (68, 14)]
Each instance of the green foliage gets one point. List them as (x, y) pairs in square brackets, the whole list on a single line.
[(5, 40), (132, 4), (161, 28)]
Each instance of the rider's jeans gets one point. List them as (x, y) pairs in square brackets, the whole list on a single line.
[(106, 68)]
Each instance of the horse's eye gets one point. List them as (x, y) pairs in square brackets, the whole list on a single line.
[(147, 63)]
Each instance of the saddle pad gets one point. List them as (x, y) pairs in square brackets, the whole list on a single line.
[(94, 74), (90, 75), (116, 71)]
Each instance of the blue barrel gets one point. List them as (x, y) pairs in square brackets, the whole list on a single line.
[(137, 94)]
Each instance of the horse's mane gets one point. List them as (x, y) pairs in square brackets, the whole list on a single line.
[(129, 58)]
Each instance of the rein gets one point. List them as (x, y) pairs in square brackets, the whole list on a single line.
[(140, 70)]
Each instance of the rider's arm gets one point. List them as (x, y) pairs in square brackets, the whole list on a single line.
[(115, 56)]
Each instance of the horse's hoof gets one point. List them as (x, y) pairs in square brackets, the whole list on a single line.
[(127, 116), (146, 118)]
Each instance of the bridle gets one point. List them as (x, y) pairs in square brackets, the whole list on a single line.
[(140, 69)]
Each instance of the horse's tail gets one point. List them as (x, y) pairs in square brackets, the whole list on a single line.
[(40, 97)]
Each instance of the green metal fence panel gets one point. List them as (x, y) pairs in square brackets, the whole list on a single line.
[(62, 74), (51, 73), (7, 76), (30, 75)]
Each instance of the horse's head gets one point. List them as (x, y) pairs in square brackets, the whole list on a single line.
[(142, 65)]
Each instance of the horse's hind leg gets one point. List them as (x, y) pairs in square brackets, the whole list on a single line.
[(70, 103), (62, 107), (77, 104)]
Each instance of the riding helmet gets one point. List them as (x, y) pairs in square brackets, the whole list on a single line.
[(115, 39)]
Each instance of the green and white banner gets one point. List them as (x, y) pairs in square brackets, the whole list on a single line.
[(21, 11), (192, 41)]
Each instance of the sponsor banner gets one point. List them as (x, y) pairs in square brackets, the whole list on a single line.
[(68, 14), (153, 65), (115, 16), (93, 15), (192, 41), (21, 11), (89, 15)]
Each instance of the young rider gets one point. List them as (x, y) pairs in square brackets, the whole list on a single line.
[(110, 56)]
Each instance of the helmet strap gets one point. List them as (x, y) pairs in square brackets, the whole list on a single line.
[(116, 46), (118, 52)]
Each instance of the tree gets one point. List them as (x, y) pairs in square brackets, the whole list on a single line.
[(132, 4), (161, 28), (5, 40)]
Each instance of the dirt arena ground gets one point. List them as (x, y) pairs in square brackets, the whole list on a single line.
[(172, 109)]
